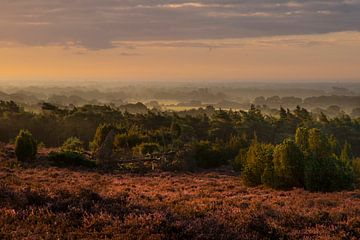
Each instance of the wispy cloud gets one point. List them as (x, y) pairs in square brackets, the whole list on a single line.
[(96, 24)]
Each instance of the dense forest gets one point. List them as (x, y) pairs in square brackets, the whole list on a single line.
[(295, 149)]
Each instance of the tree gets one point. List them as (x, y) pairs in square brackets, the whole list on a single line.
[(100, 135), (73, 144), (318, 144), (289, 164), (328, 174), (259, 156), (25, 146), (301, 138), (346, 155)]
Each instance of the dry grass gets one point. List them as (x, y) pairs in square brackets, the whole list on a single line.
[(40, 202)]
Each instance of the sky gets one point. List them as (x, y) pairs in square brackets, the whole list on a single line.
[(130, 40)]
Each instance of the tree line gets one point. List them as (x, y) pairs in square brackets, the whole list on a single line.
[(295, 149)]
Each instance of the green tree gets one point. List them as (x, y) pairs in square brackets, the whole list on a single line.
[(346, 155), (259, 156), (100, 135), (301, 138), (25, 146), (289, 165), (73, 144)]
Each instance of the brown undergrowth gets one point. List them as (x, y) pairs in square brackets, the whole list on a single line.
[(44, 202)]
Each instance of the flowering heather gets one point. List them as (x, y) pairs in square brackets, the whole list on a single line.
[(41, 202)]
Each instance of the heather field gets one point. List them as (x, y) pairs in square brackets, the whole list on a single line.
[(39, 201)]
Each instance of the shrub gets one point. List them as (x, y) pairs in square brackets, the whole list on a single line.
[(207, 155), (73, 144), (25, 146), (240, 160), (356, 166), (183, 160), (328, 174), (147, 148), (128, 140), (289, 165), (73, 159), (259, 156), (100, 135)]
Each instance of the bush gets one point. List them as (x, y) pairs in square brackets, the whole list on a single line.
[(70, 159), (147, 148), (25, 146), (328, 174), (240, 160), (73, 144), (289, 165), (128, 140), (182, 161), (207, 155), (356, 166), (259, 156), (100, 135)]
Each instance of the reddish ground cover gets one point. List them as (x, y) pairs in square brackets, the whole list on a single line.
[(48, 203)]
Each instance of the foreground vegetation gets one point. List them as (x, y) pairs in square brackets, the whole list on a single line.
[(97, 172), (42, 202), (296, 149)]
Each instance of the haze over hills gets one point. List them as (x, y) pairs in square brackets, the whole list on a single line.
[(178, 119)]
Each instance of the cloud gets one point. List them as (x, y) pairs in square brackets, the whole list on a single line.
[(95, 24), (329, 39)]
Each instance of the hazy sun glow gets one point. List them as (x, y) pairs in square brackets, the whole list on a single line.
[(179, 40), (306, 57)]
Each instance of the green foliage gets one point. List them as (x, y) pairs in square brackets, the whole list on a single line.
[(324, 171), (100, 135), (73, 144), (129, 140), (310, 162), (289, 165), (240, 160), (318, 144), (328, 174), (25, 146), (147, 148), (70, 159), (207, 155), (346, 155), (356, 166), (301, 138), (259, 156)]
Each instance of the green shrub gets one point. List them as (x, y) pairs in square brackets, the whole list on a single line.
[(240, 160), (25, 146), (289, 165), (128, 140), (182, 161), (73, 144), (206, 155), (100, 135), (70, 159), (147, 148), (356, 166), (258, 157), (328, 174)]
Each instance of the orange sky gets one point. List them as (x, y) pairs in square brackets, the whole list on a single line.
[(305, 57)]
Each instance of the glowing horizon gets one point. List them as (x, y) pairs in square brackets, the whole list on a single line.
[(180, 40)]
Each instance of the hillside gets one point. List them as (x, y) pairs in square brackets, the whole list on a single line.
[(39, 201)]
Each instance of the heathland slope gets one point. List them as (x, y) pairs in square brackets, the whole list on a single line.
[(44, 202)]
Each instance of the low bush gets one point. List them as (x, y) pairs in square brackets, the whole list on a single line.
[(73, 144), (328, 174), (147, 148), (207, 155), (70, 159), (25, 146)]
